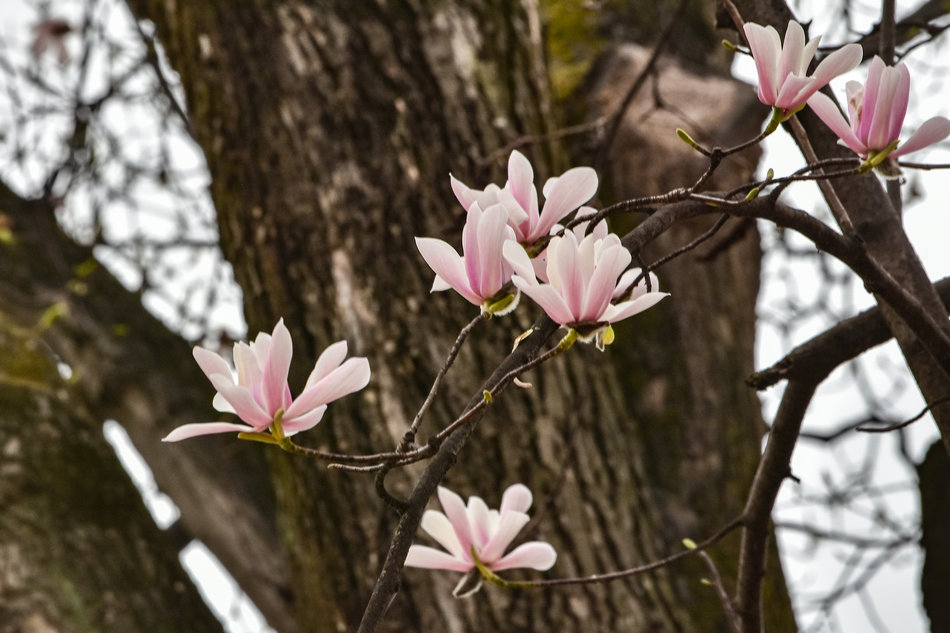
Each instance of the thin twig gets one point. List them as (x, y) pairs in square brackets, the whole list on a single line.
[(831, 196), (905, 423), (624, 573), (410, 435)]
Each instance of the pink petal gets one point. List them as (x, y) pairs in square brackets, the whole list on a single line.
[(793, 48), (521, 179), (837, 63), (568, 280), (898, 109), (457, 515), (509, 524), (351, 376), (307, 421), (247, 365), (549, 299), (533, 555), (931, 131), (790, 96), (515, 254), (766, 47), (627, 309), (626, 280), (572, 189), (828, 112), (641, 288), (439, 527), (603, 283), (479, 521), (243, 403), (210, 362), (886, 107), (430, 558), (447, 264), (518, 218), (463, 192), (329, 360), (492, 233), (862, 127), (274, 378), (517, 498), (439, 284), (186, 431)]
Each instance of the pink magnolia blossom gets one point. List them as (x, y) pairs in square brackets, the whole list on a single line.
[(489, 532), (520, 197), (876, 110), (261, 393), (585, 277), (783, 83), (481, 273)]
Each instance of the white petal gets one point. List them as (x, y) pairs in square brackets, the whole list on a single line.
[(447, 264), (457, 515), (575, 187), (509, 524), (627, 309), (533, 555), (244, 404), (517, 498), (519, 260), (479, 520), (329, 360), (438, 526), (351, 376), (308, 420), (431, 558), (185, 431), (210, 362), (930, 132), (828, 112)]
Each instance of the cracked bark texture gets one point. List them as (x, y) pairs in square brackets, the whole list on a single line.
[(329, 129), (78, 549)]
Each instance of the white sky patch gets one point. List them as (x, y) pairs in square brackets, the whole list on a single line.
[(160, 505)]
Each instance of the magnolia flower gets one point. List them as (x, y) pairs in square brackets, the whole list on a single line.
[(520, 197), (783, 83), (877, 111), (461, 529), (583, 283), (260, 395), (481, 273), (580, 230)]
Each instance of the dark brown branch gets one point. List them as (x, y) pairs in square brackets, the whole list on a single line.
[(844, 341), (387, 586), (772, 471)]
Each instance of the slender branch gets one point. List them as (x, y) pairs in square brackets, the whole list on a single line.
[(387, 585), (617, 116), (410, 435), (720, 588), (837, 208), (693, 548), (907, 422), (842, 342), (774, 467)]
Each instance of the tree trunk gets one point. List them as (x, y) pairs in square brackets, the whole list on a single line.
[(129, 367), (329, 131), (78, 549)]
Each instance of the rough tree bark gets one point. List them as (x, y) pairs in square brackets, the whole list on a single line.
[(329, 128), (78, 549)]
